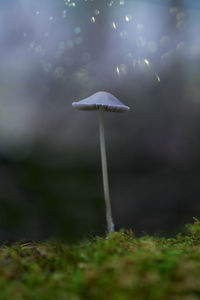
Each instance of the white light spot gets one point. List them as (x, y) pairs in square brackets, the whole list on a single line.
[(157, 77), (114, 25), (37, 12), (121, 2), (92, 19), (142, 64), (51, 18), (96, 12), (66, 2), (128, 18), (147, 62), (121, 70), (110, 3)]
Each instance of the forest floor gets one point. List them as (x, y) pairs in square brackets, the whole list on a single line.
[(117, 267)]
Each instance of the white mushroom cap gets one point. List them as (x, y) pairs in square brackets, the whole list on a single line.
[(101, 100)]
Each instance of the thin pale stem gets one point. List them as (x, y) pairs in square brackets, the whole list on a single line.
[(110, 224)]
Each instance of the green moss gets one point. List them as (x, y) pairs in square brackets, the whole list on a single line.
[(117, 267)]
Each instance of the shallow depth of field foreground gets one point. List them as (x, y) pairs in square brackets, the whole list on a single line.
[(119, 267)]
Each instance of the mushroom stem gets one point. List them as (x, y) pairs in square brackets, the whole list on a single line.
[(110, 224)]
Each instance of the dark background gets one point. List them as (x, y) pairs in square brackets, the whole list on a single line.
[(147, 53)]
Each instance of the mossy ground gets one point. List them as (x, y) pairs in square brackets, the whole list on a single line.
[(118, 267)]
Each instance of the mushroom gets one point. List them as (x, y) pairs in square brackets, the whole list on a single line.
[(103, 101)]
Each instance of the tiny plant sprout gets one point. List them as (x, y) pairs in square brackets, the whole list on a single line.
[(103, 101)]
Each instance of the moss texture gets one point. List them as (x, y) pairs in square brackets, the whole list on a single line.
[(117, 267)]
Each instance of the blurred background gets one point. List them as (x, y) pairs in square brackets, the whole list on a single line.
[(146, 53)]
